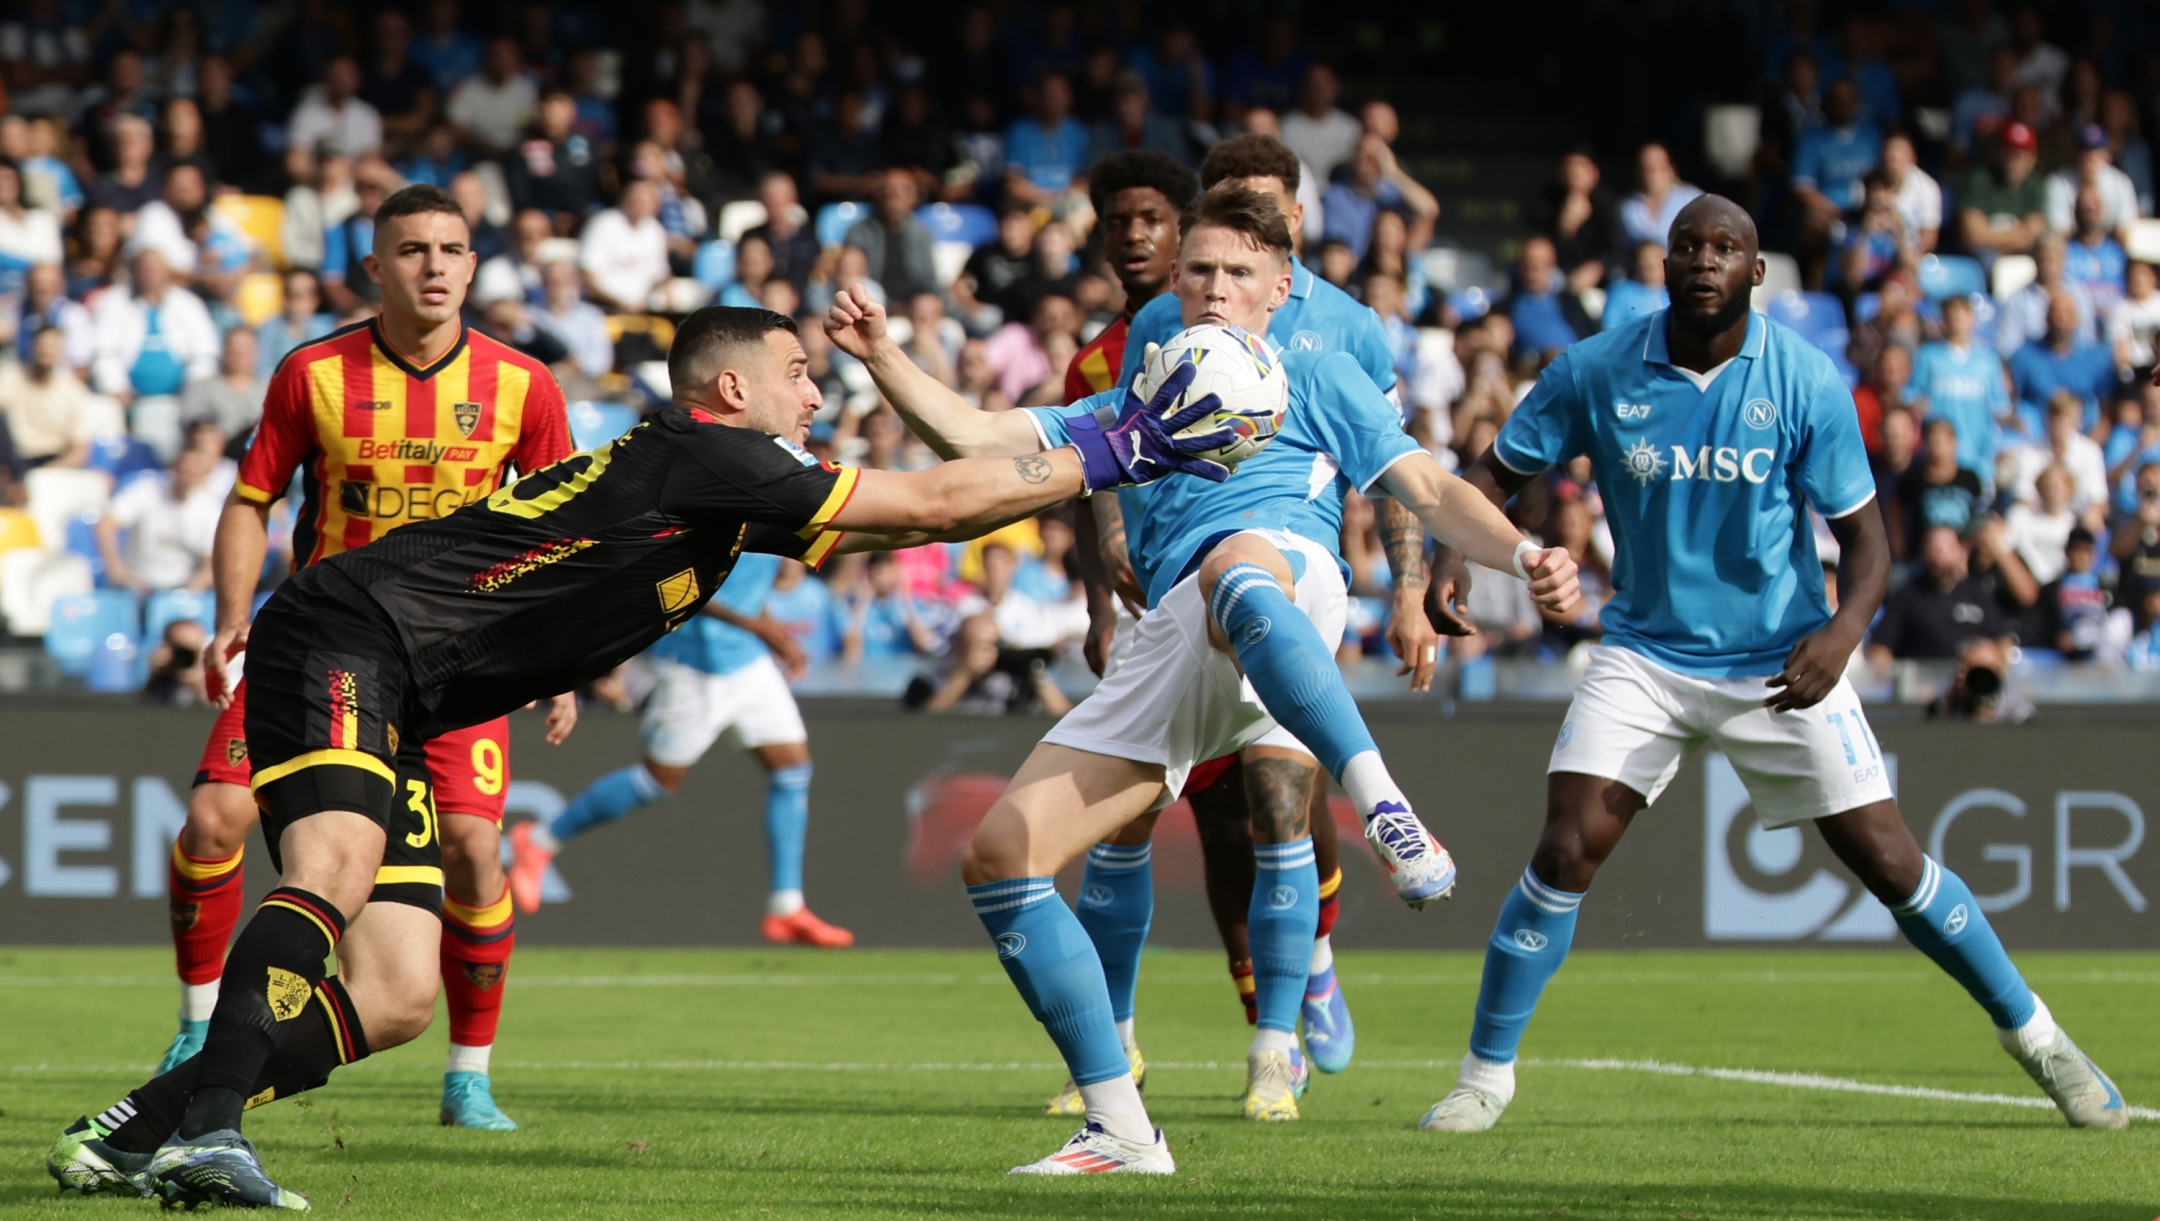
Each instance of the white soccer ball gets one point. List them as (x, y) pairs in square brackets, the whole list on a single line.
[(1241, 369)]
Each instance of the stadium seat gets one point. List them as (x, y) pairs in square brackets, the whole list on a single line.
[(2144, 244), (739, 218), (81, 539), (1453, 269), (969, 223), (18, 530), (262, 219), (1731, 134), (2013, 272), (259, 296), (835, 219), (1781, 274), (120, 455), (30, 580), (595, 424), (949, 259), (1951, 275), (59, 495), (1472, 302), (714, 266), (1984, 315), (82, 621), (169, 606), (1820, 319)]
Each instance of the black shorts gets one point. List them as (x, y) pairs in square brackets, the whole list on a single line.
[(326, 699)]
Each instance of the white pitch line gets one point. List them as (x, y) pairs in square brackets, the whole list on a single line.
[(948, 979)]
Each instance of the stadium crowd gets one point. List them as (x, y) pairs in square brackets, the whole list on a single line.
[(1956, 211)]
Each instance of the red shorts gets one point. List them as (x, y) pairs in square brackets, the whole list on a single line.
[(1206, 772), (470, 767)]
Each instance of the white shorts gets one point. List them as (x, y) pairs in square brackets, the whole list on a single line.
[(1635, 721), (689, 709), (1173, 700)]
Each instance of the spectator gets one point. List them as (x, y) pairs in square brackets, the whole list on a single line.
[(332, 117), (45, 58), (1178, 76), (1642, 293), (2134, 322), (347, 244), (1582, 219), (399, 88), (1023, 620), (507, 316), (120, 94), (490, 109), (488, 238), (1918, 198), (231, 130), (1974, 50), (2134, 441), (2134, 542), (1134, 123), (2119, 118), (1338, 264), (847, 267), (786, 231), (1375, 180), (2039, 531), (1875, 244), (1887, 385), (49, 182), (1268, 74), (233, 400), (197, 241), (1648, 214), (934, 340), (2073, 607), (2061, 361), (96, 255), (28, 236), (45, 303), (1831, 160), (183, 131), (171, 519), (753, 267), (1936, 491), (976, 678), (1261, 124), (843, 158), (1052, 270), (301, 320), (1046, 152), (1389, 255), (554, 168), (152, 339), (578, 324), (996, 271), (1897, 323), (176, 665), (448, 53), (740, 139), (1939, 614), (2092, 259), (625, 250), (1322, 134), (2004, 209), (1901, 445), (894, 243), (1964, 383), (1858, 60), (1573, 526), (131, 182), (2023, 316), (1020, 353), (1546, 315), (2064, 445), (883, 618), (2117, 194), (681, 214), (50, 415), (688, 167)]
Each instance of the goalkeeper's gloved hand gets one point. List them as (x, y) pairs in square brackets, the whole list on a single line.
[(1141, 445)]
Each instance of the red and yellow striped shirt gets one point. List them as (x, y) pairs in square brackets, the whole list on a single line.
[(382, 442)]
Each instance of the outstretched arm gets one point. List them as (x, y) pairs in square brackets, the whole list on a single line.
[(965, 497), (946, 422), (1463, 518), (1409, 631)]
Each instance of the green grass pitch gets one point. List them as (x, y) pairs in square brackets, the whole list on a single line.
[(737, 1083)]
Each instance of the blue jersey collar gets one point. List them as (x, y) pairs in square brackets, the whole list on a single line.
[(1301, 279), (1656, 352)]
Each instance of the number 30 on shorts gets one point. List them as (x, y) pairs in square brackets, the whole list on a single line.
[(487, 766)]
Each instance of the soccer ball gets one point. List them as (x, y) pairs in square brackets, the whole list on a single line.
[(1239, 368)]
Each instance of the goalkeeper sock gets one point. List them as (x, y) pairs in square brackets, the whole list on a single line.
[(1290, 666), (1117, 903), (1528, 944), (605, 800), (1944, 922)]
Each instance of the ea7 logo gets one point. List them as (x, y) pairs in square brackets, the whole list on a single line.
[(1633, 413)]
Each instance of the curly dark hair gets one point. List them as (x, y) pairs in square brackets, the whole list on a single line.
[(1250, 156), (1141, 167)]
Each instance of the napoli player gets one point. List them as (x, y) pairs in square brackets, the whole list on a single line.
[(715, 674), (1712, 431), (1244, 587)]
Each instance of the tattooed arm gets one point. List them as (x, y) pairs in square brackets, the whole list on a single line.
[(1409, 632)]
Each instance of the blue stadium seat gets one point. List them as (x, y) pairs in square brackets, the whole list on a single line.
[(120, 455), (118, 662), (82, 540), (595, 424), (1984, 315), (81, 622), (1951, 275), (1472, 302), (170, 606), (970, 223), (714, 266), (834, 220), (1867, 305)]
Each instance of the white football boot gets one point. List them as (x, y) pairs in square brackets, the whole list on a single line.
[(1094, 1151), (1415, 862)]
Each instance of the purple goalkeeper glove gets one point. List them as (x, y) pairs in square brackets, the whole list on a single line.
[(1142, 446)]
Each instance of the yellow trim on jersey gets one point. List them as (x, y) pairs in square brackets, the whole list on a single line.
[(254, 496), (392, 875), (323, 758), (842, 488), (328, 933), (491, 916), (1329, 887), (195, 871), (821, 548)]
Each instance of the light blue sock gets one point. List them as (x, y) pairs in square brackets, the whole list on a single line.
[(1052, 962), (1281, 922), (1529, 942), (607, 799), (1290, 667), (787, 824), (1944, 921), (1117, 903)]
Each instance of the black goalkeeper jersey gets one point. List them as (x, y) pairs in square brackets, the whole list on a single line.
[(557, 579)]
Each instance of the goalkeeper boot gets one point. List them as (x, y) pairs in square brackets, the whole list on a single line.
[(1466, 1109), (184, 1045), (1419, 867), (1330, 1039), (1273, 1082), (2084, 1093), (804, 928), (1069, 1102), (468, 1102), (219, 1168), (1094, 1151), (81, 1161), (528, 867)]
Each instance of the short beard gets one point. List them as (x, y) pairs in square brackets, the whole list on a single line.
[(1734, 311)]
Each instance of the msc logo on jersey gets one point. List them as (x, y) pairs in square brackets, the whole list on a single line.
[(1530, 939), (1305, 341), (1759, 413), (1644, 462), (1632, 413)]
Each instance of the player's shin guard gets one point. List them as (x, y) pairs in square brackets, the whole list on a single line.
[(1117, 904), (1290, 666), (605, 800), (787, 826), (1943, 920), (476, 947), (273, 970), (1048, 955), (205, 898), (1529, 941), (1284, 914)]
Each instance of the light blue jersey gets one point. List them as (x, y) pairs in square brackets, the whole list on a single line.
[(1715, 572), (707, 644), (1340, 433), (1967, 389)]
